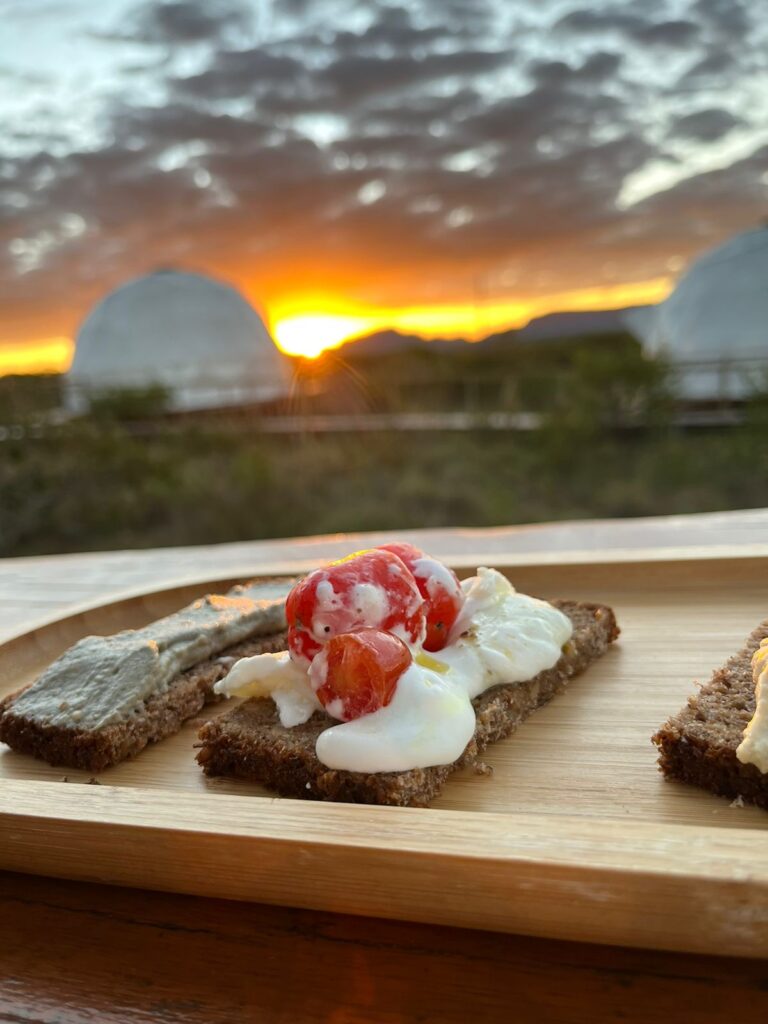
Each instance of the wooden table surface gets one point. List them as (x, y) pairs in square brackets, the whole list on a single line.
[(86, 953)]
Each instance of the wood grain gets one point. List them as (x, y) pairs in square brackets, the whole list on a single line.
[(80, 953), (575, 835), (33, 587)]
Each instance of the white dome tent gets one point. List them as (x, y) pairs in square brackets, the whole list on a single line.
[(196, 337), (714, 326)]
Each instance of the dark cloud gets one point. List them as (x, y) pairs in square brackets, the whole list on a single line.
[(238, 73), (667, 33), (554, 112), (596, 68), (394, 30), (728, 17), (705, 125), (638, 24), (599, 66), (590, 21), (352, 77), (180, 22), (709, 70)]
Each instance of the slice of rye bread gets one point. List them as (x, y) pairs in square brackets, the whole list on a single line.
[(698, 745), (250, 743), (161, 715)]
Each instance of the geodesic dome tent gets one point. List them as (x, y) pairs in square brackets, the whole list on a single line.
[(196, 337), (714, 326)]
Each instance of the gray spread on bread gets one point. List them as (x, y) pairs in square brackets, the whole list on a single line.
[(104, 680)]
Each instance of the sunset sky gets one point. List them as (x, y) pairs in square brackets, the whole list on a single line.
[(447, 167)]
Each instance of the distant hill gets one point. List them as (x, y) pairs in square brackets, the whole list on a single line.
[(551, 327), (382, 343), (571, 325)]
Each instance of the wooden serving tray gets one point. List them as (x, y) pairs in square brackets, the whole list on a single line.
[(575, 835)]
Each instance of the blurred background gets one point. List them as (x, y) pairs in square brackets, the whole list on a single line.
[(309, 266)]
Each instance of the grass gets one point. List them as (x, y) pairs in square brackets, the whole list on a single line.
[(96, 484), (99, 488)]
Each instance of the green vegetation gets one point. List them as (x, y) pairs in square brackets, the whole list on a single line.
[(108, 481)]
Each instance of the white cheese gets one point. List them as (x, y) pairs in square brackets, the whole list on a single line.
[(500, 636)]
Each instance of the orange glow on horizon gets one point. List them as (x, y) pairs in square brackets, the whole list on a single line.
[(310, 334), (49, 355), (306, 326)]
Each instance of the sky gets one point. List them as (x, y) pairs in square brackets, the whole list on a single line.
[(447, 167)]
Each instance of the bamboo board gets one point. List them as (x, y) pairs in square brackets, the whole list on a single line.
[(575, 835)]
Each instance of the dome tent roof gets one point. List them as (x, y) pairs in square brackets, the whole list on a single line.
[(187, 332), (717, 313)]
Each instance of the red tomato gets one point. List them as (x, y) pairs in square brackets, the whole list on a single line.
[(357, 673), (368, 590), (440, 589)]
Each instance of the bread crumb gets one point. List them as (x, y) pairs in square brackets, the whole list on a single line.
[(64, 778), (93, 781), (738, 802), (481, 768)]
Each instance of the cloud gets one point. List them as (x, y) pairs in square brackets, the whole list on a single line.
[(705, 125), (643, 28), (707, 202), (728, 17), (667, 33), (236, 73), (590, 21), (352, 77), (180, 22), (709, 70), (389, 154), (393, 31)]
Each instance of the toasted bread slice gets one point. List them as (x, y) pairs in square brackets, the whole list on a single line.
[(698, 745), (249, 742)]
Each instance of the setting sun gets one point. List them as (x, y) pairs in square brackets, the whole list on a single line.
[(312, 333)]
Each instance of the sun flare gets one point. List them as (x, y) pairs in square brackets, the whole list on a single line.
[(312, 333)]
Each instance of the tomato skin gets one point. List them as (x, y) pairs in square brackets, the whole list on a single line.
[(355, 674), (371, 589), (440, 588)]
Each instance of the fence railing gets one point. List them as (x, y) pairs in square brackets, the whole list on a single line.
[(706, 392)]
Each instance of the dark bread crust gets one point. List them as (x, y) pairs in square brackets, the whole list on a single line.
[(250, 743), (162, 715), (698, 745)]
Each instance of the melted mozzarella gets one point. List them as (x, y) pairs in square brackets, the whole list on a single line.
[(275, 676), (425, 723), (500, 636)]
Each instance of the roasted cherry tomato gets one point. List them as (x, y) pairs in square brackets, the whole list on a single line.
[(368, 590), (440, 589), (357, 673)]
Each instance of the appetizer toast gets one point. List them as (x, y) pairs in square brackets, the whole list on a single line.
[(698, 745), (106, 698), (249, 741)]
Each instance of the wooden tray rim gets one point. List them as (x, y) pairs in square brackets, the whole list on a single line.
[(501, 559)]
